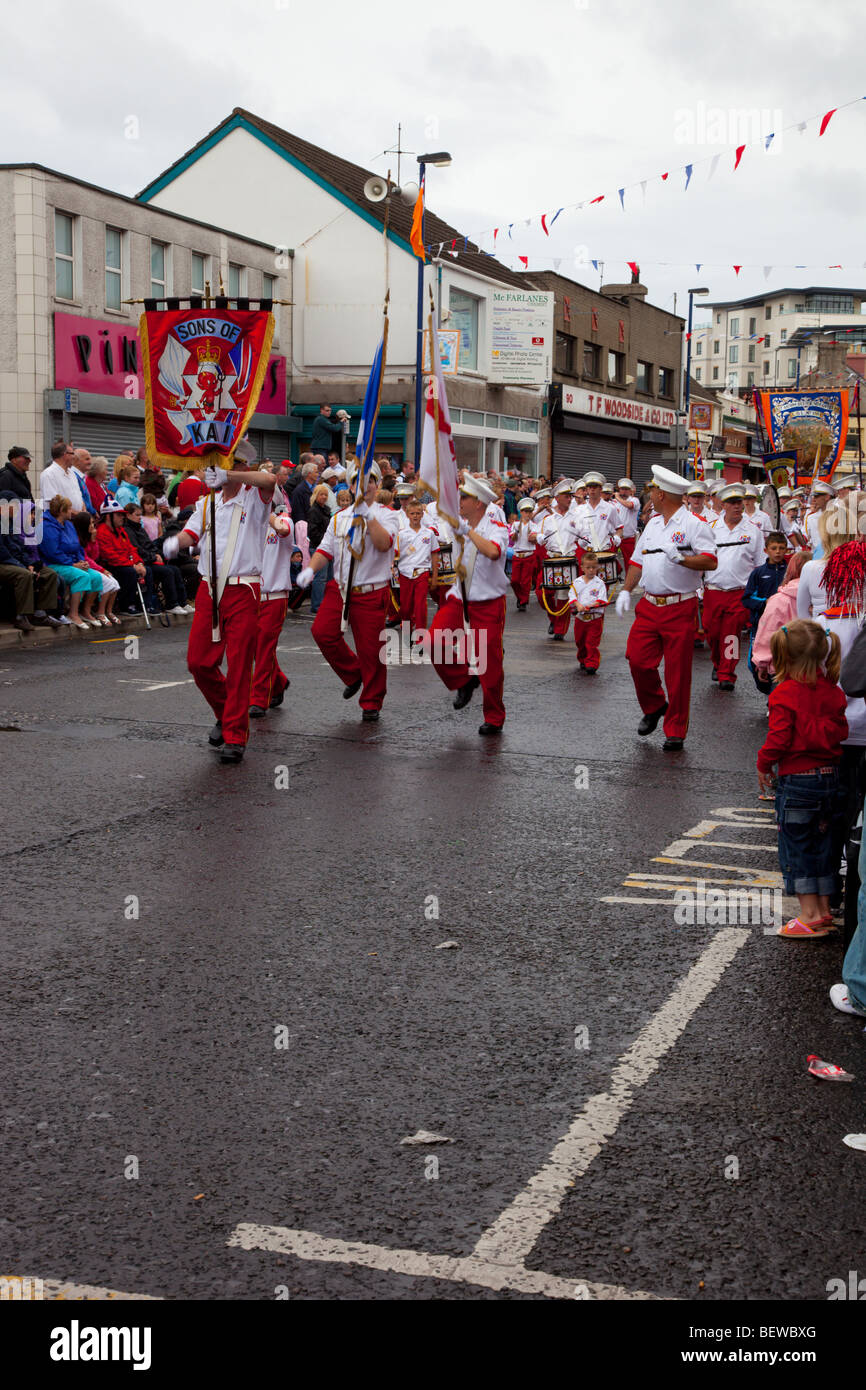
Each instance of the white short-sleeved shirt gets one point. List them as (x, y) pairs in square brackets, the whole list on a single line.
[(588, 591), (558, 534), (250, 545), (374, 566), (659, 574), (402, 520), (627, 515), (488, 579), (739, 550), (603, 520), (414, 549), (812, 532), (277, 561), (523, 537)]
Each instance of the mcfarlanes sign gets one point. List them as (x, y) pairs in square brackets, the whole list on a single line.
[(579, 402)]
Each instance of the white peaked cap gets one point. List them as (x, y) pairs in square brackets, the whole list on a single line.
[(598, 478), (565, 486), (352, 475), (668, 481), (476, 487), (626, 482), (824, 488), (542, 492), (526, 502)]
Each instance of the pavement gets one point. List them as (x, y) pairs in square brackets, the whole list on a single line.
[(225, 1006)]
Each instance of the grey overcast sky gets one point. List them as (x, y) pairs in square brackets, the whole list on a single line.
[(541, 103)]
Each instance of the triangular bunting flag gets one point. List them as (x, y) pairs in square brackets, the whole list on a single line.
[(737, 269), (643, 188), (510, 225), (557, 262), (738, 157), (594, 265), (698, 265), (801, 126), (599, 199), (767, 270), (768, 142), (524, 261), (544, 224), (826, 119), (495, 235), (621, 192), (688, 174), (664, 176), (555, 215), (633, 267), (714, 164)]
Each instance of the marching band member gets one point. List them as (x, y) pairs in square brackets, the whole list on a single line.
[(790, 526), (628, 510), (753, 513), (523, 559), (543, 506), (557, 535), (821, 494), (672, 552), (417, 566), (269, 681), (739, 551), (243, 508), (696, 501), (588, 599), (597, 521), (486, 586), (402, 494), (367, 584), (713, 503)]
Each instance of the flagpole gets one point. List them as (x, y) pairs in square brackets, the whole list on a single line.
[(214, 595), (369, 440)]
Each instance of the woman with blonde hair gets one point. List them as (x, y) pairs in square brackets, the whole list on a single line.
[(120, 463)]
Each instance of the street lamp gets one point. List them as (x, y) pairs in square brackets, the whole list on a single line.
[(701, 289), (440, 160)]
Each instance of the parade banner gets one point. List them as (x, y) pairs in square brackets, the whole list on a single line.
[(813, 425), (781, 468), (203, 373)]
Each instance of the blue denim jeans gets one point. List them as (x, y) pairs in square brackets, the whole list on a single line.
[(317, 588), (854, 964), (808, 807)]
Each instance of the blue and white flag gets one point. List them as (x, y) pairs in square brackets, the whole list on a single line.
[(367, 428)]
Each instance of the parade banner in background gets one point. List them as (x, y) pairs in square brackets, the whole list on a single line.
[(781, 468), (813, 425), (203, 373)]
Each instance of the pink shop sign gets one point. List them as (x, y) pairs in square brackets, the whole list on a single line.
[(104, 358)]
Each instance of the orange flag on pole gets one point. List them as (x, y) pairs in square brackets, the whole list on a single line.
[(416, 235)]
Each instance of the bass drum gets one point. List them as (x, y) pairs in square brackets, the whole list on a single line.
[(770, 504)]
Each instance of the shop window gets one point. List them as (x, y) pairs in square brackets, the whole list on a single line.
[(564, 352), (644, 379), (464, 309), (615, 368), (64, 255), (592, 361), (237, 281), (666, 381), (200, 274), (114, 269), (159, 270)]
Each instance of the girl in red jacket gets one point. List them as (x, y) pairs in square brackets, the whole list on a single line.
[(805, 734)]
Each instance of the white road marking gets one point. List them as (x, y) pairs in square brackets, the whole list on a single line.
[(498, 1259), (64, 1289), (513, 1234), (146, 687), (680, 847), (417, 1264)]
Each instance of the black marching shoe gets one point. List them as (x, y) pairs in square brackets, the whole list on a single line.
[(370, 716), (550, 629), (672, 745), (215, 737), (715, 675), (277, 700), (591, 670), (465, 693), (256, 712), (522, 607), (352, 689), (232, 753), (649, 721), (490, 730), (726, 685), (559, 637)]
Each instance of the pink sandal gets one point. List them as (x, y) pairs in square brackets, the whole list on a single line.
[(797, 930)]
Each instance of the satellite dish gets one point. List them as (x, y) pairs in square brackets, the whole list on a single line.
[(375, 189), (409, 193)]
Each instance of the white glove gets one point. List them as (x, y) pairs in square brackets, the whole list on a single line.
[(623, 603), (671, 551), (463, 528), (170, 547), (362, 509), (616, 541), (305, 578), (215, 477)]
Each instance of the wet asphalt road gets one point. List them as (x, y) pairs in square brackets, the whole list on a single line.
[(310, 908)]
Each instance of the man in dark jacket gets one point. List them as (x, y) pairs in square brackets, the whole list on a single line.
[(31, 587), (327, 432), (13, 476), (166, 576), (300, 498)]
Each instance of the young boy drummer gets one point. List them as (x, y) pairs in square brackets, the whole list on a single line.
[(417, 565), (523, 560), (588, 599)]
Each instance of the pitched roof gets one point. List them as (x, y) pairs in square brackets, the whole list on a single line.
[(349, 179)]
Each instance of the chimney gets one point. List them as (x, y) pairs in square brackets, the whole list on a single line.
[(633, 290)]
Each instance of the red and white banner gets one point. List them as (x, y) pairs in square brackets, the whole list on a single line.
[(438, 462), (203, 373)]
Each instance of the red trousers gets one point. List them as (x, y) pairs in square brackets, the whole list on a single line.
[(367, 614), (627, 549), (522, 571), (668, 633), (268, 679), (560, 624), (724, 619), (413, 599), (587, 637), (228, 695), (488, 617)]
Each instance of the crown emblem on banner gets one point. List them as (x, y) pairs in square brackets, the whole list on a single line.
[(208, 352)]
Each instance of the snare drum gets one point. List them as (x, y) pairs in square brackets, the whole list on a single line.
[(447, 573), (608, 569), (558, 573)]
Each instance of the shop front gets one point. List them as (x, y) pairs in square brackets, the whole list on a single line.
[(613, 434)]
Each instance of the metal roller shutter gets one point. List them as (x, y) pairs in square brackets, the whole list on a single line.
[(643, 456), (574, 454), (101, 434)]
